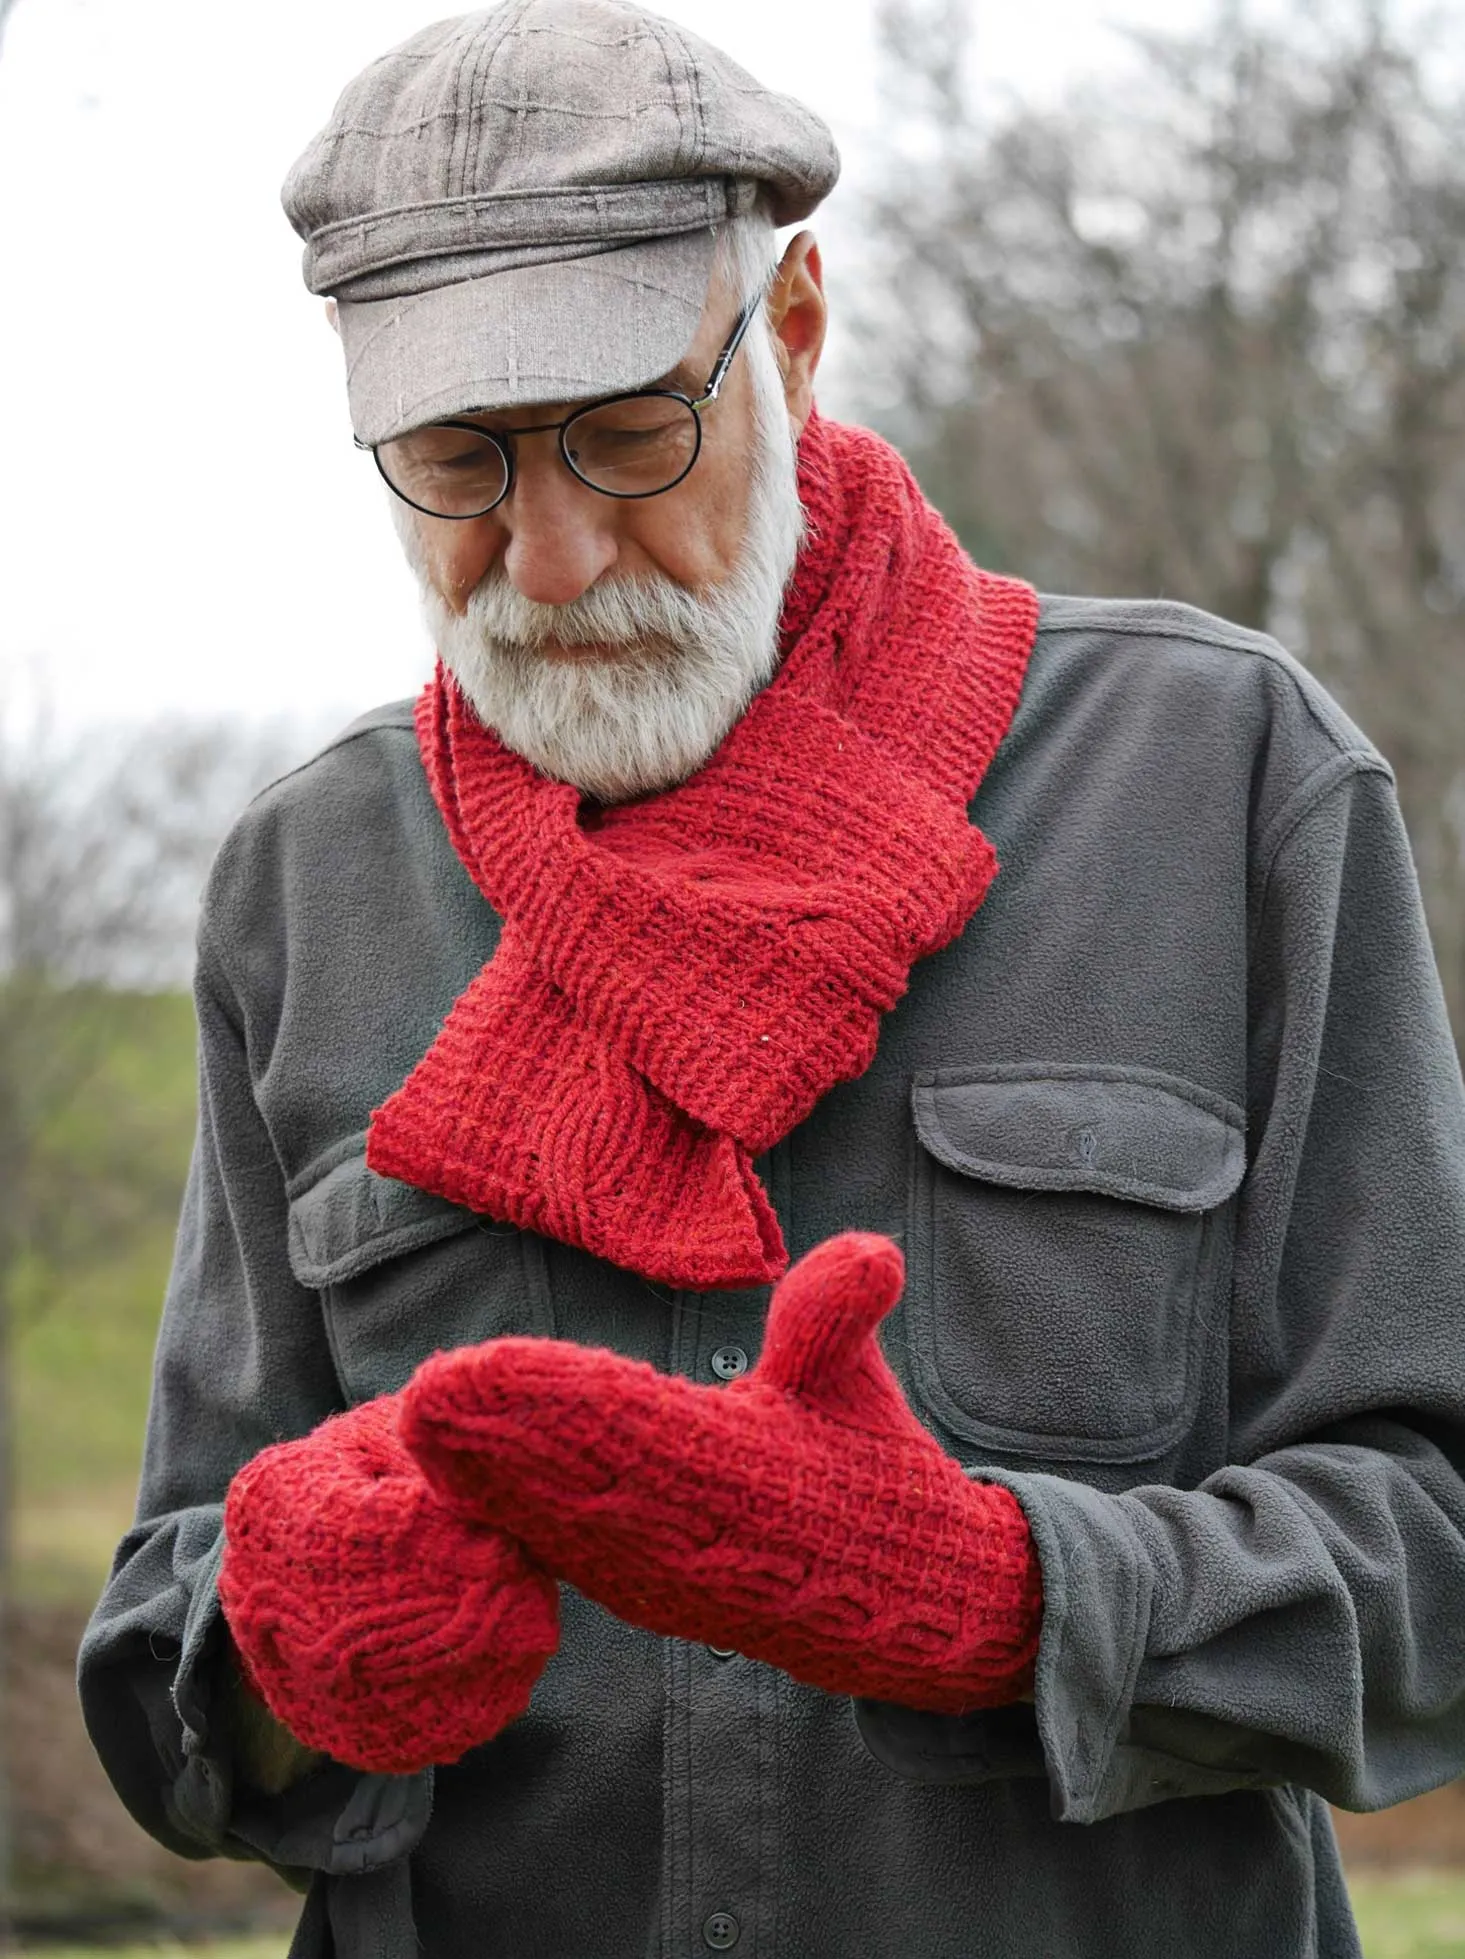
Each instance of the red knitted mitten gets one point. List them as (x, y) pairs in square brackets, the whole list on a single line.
[(373, 1621), (802, 1514)]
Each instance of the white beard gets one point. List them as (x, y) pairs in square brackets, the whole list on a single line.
[(645, 719)]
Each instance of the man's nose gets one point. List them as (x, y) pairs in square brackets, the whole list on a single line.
[(561, 534)]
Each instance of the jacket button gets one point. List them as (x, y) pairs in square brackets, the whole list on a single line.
[(720, 1930), (723, 1652), (728, 1362)]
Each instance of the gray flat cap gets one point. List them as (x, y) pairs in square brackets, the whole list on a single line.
[(520, 205)]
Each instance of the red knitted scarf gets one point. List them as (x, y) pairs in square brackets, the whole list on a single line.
[(680, 979)]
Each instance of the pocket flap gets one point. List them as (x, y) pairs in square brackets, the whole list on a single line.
[(1123, 1132), (349, 1219)]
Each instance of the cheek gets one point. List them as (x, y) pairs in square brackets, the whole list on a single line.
[(456, 556), (695, 532)]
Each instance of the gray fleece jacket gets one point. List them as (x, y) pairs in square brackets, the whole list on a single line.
[(1173, 1137)]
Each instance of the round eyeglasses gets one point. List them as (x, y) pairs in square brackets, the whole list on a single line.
[(627, 445)]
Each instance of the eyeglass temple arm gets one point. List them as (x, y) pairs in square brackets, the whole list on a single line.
[(725, 358)]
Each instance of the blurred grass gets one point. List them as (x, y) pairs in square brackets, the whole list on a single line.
[(83, 1369), (1411, 1915), (89, 1294), (228, 1949)]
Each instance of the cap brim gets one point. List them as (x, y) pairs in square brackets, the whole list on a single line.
[(556, 332)]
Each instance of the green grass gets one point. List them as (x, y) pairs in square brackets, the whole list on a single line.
[(1416, 1915), (87, 1303), (83, 1370), (228, 1949)]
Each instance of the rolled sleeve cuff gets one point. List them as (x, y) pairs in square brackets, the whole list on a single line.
[(336, 1819), (1097, 1590)]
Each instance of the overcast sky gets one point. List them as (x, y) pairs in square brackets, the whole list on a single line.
[(185, 523)]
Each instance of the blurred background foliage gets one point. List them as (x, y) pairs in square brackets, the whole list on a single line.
[(1202, 337)]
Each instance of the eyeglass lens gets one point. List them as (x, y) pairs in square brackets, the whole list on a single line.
[(452, 472), (631, 447)]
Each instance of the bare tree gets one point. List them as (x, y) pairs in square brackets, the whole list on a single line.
[(1202, 334), (104, 839)]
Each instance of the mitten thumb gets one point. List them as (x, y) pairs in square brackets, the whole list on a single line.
[(820, 1342)]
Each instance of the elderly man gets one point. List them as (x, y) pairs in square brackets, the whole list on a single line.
[(735, 1379)]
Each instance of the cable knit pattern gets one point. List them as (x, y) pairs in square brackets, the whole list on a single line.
[(374, 1622), (681, 978), (802, 1513)]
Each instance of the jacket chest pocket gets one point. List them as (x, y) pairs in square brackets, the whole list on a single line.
[(402, 1273), (1069, 1240)]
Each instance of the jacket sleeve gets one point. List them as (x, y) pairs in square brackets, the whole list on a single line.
[(242, 1361), (1299, 1617)]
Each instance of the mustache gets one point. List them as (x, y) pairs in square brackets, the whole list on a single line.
[(650, 613)]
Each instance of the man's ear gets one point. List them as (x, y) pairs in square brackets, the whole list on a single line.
[(331, 315), (798, 315)]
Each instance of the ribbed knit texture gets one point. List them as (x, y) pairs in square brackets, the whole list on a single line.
[(680, 979), (801, 1514), (374, 1622)]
